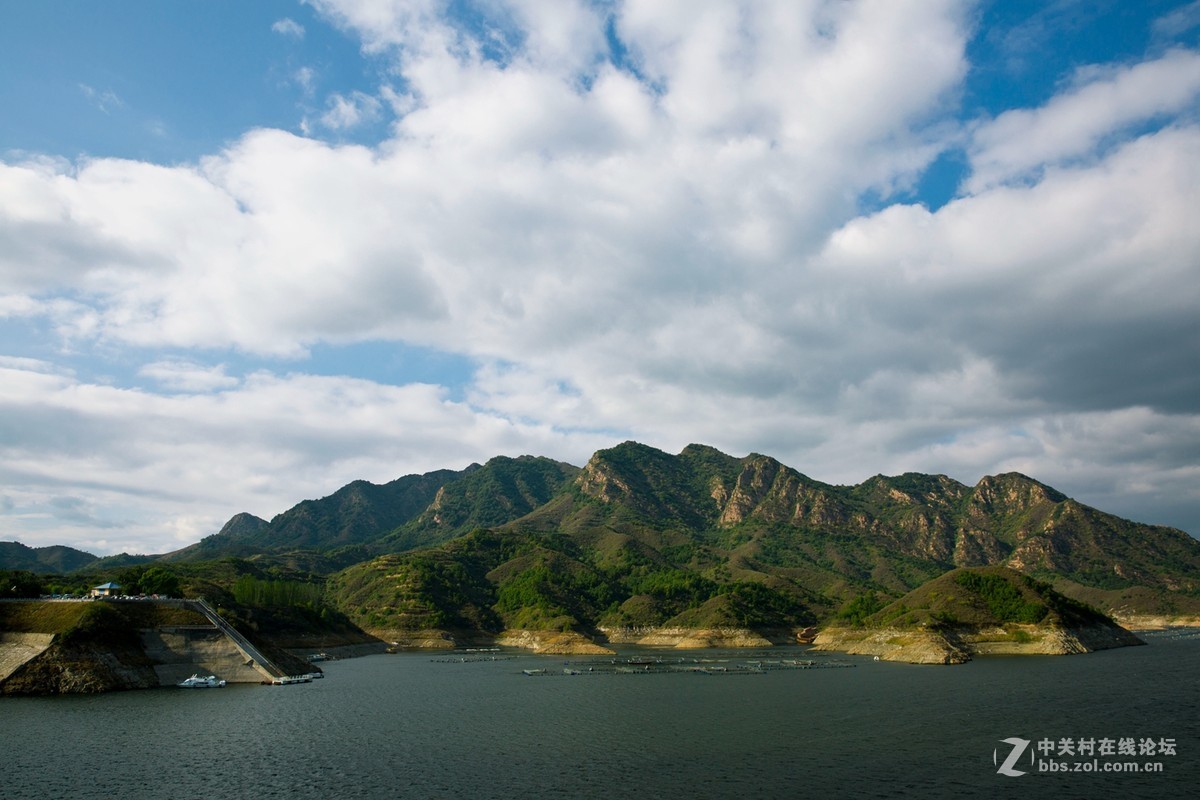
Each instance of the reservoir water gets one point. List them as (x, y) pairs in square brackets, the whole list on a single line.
[(424, 726)]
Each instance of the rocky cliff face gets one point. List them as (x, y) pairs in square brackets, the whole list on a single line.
[(767, 491), (601, 483), (1004, 519)]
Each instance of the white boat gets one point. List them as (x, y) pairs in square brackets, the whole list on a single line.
[(196, 682)]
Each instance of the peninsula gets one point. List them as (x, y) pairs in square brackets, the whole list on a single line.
[(979, 611)]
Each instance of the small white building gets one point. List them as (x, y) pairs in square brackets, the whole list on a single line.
[(109, 589)]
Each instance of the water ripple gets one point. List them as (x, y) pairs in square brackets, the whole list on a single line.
[(408, 726)]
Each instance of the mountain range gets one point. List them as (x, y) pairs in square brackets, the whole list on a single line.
[(640, 537), (43, 560)]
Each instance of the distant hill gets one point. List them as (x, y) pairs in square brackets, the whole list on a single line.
[(502, 490), (43, 560), (364, 519), (976, 610), (358, 513), (108, 563), (236, 538)]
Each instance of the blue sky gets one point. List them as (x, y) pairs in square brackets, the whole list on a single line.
[(252, 251), (166, 82)]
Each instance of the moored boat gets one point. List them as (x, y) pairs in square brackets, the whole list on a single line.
[(196, 682)]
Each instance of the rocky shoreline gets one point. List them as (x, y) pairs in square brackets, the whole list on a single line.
[(690, 638), (575, 643), (43, 664), (553, 643), (959, 644), (1155, 622)]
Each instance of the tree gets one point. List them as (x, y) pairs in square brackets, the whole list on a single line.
[(864, 605), (19, 583), (157, 580), (130, 579)]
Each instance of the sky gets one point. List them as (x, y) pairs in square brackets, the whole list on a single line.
[(250, 252)]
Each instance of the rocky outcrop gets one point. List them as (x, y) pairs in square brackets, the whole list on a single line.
[(574, 643), (957, 645), (80, 669), (604, 484), (695, 638), (894, 644), (418, 640), (1155, 622), (701, 638), (552, 642), (1051, 640), (626, 634)]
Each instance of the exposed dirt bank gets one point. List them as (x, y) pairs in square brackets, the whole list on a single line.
[(959, 644)]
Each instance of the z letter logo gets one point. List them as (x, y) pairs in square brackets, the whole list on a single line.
[(1018, 747)]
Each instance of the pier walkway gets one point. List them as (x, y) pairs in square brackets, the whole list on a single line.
[(257, 659)]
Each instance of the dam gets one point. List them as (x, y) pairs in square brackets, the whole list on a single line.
[(160, 646)]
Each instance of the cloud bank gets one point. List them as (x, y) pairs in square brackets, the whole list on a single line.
[(646, 220)]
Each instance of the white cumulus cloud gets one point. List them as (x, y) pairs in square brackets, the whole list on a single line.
[(1072, 124), (668, 245), (287, 26)]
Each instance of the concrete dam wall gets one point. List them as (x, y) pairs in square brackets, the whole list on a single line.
[(17, 649), (132, 645), (180, 652)]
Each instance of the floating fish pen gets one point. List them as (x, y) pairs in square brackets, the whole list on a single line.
[(719, 667)]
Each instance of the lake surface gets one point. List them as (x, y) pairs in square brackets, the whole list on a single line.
[(421, 726)]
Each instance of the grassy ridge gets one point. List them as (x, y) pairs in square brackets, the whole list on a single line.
[(78, 621), (980, 597), (40, 617), (488, 581)]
